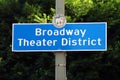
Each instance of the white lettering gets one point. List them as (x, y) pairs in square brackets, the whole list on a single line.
[(64, 42), (20, 42), (32, 43), (83, 32), (49, 32), (69, 32), (38, 32), (56, 33), (80, 42), (99, 41), (93, 42), (74, 43), (49, 43), (62, 32), (38, 43), (77, 33), (84, 42), (43, 42), (25, 42)]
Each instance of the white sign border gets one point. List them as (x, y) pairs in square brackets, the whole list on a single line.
[(58, 49)]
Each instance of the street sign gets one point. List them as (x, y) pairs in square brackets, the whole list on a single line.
[(33, 37)]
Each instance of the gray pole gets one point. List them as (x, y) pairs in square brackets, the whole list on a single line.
[(60, 66), (60, 7), (60, 57)]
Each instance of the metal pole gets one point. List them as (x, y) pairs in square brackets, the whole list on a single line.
[(60, 7), (60, 69), (60, 57)]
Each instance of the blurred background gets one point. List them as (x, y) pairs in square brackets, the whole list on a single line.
[(41, 66)]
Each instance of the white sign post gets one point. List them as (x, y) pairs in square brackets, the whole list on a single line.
[(60, 57)]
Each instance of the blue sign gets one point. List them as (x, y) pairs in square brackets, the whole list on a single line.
[(33, 37)]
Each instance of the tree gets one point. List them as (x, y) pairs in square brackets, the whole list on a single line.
[(40, 66)]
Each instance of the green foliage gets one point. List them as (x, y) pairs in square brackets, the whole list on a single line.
[(27, 13), (42, 18), (105, 12), (80, 65), (78, 8)]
